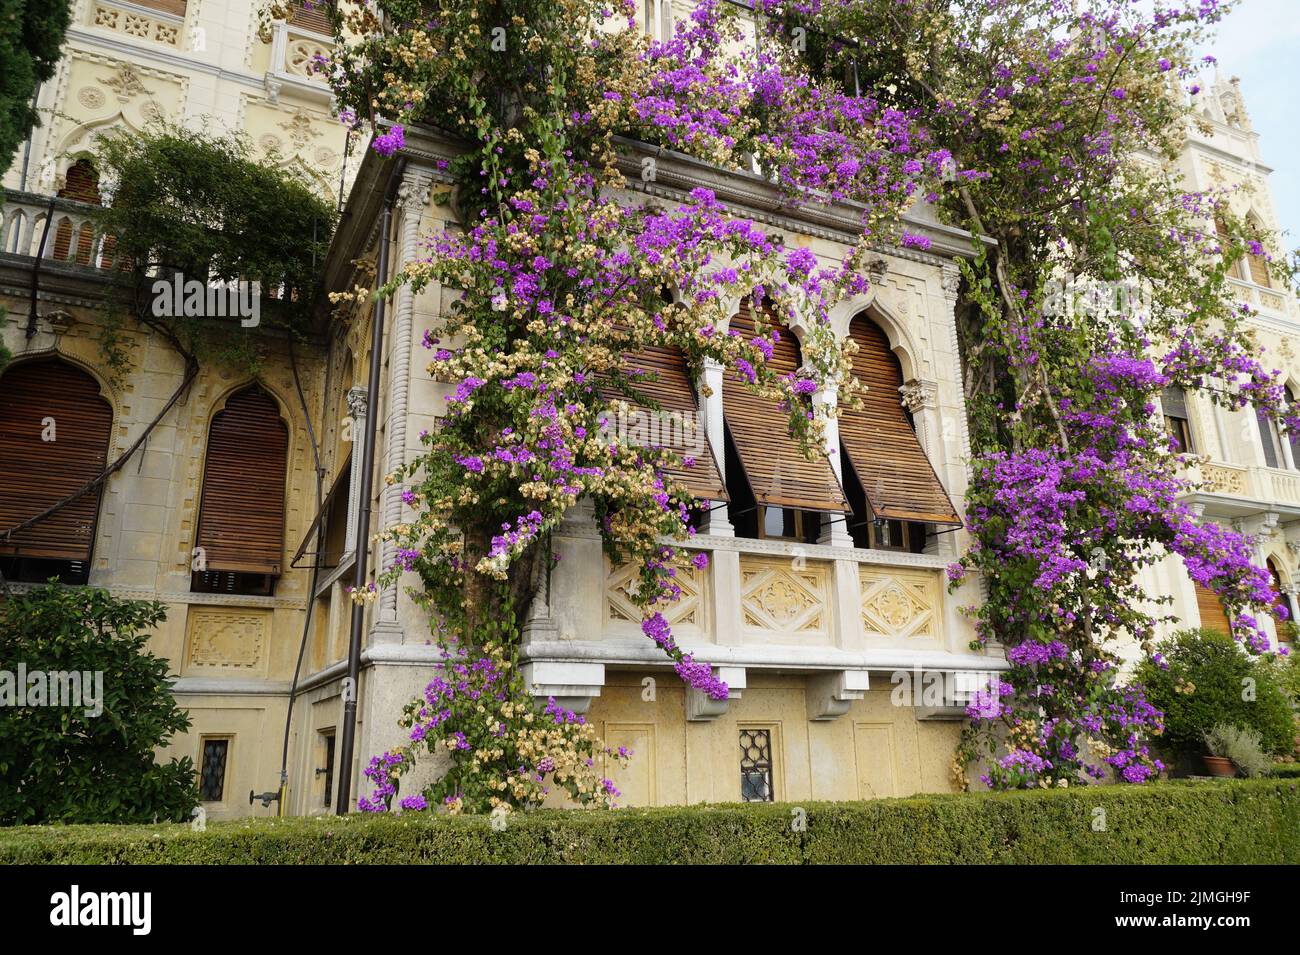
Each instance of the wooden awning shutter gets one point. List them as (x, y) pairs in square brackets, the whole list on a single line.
[(314, 18), (674, 392), (49, 398), (1213, 614), (897, 478), (1174, 401), (241, 518), (774, 463)]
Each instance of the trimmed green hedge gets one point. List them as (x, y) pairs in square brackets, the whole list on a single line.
[(1286, 771), (1229, 821)]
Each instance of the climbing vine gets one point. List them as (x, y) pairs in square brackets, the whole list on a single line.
[(1049, 128)]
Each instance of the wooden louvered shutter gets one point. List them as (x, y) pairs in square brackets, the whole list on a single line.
[(1211, 609), (175, 7), (1236, 270), (897, 478), (35, 474), (1258, 269), (315, 18), (775, 466), (672, 390), (241, 517)]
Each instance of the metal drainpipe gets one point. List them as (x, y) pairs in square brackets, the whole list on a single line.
[(36, 271), (27, 146), (364, 493)]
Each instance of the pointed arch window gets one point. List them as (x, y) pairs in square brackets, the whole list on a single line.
[(900, 490), (1173, 400), (1257, 263), (55, 429), (776, 492), (1269, 439), (1237, 269), (241, 513)]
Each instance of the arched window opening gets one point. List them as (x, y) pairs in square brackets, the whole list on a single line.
[(240, 540), (776, 492), (54, 435), (898, 492)]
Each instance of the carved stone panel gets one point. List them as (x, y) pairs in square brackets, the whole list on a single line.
[(785, 601), (686, 614), (227, 639), (900, 604)]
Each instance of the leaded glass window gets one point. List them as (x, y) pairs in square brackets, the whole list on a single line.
[(212, 773), (756, 765)]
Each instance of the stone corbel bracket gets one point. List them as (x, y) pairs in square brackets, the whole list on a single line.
[(701, 707), (573, 685), (831, 694)]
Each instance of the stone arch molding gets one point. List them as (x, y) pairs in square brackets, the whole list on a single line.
[(83, 354), (80, 141), (901, 341)]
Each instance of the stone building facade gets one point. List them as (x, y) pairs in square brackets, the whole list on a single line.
[(847, 657), (1248, 474)]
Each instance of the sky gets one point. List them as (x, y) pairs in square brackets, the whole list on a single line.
[(1260, 43)]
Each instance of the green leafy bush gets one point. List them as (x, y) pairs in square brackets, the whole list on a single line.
[(1240, 745), (1211, 680), (1229, 821), (92, 761)]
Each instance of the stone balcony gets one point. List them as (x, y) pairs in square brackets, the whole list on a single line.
[(837, 615), (1237, 491)]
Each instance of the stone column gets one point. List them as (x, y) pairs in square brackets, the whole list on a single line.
[(716, 522), (357, 410), (835, 528), (412, 200)]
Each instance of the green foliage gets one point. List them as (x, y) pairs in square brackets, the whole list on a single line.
[(1286, 771), (67, 763), (1240, 745), (203, 205), (1208, 683), (1245, 821), (31, 35)]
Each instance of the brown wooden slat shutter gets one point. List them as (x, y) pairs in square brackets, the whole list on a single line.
[(315, 19), (241, 518), (1237, 269), (1258, 269), (175, 7), (897, 478), (672, 389), (775, 466), (1211, 609), (36, 474)]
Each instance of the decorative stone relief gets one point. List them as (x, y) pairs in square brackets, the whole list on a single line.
[(918, 395), (91, 97), (1221, 480), (900, 604), (687, 611), (227, 638), (154, 26), (126, 83), (300, 129), (778, 599)]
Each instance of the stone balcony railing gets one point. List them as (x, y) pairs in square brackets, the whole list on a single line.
[(835, 614), (60, 230), (1271, 303), (293, 53), (1246, 488)]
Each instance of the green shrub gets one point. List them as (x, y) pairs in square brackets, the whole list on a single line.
[(1240, 745), (1207, 683), (1286, 771), (94, 761), (1229, 821)]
